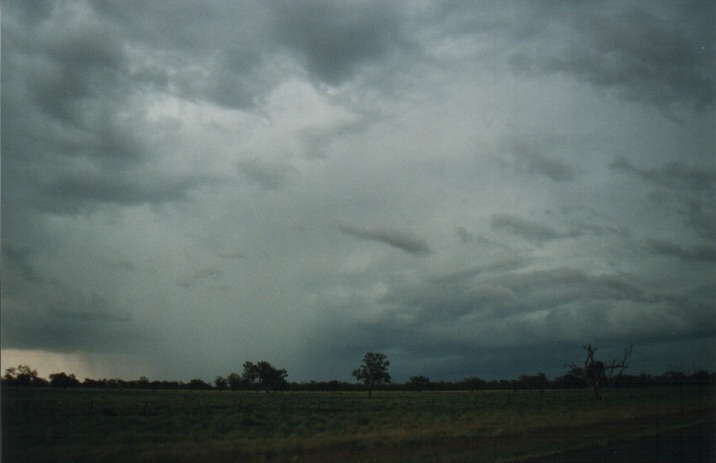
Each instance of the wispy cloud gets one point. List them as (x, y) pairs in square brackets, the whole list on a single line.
[(530, 230), (691, 189), (696, 253), (674, 175), (399, 239), (534, 161)]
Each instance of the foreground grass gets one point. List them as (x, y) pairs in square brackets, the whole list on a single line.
[(210, 426)]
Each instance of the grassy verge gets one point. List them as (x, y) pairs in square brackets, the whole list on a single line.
[(176, 426)]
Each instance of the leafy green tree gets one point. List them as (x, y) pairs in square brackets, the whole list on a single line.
[(373, 372)]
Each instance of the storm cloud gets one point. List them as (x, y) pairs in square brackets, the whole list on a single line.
[(474, 188), (528, 229), (395, 238)]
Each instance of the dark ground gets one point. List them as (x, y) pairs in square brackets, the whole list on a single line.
[(695, 444)]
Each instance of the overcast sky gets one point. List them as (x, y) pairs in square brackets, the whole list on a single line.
[(474, 188)]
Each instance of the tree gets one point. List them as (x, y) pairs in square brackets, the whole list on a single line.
[(538, 381), (197, 384), (250, 375), (221, 383), (263, 375), (63, 380), (22, 375), (234, 380), (472, 383), (374, 371), (271, 378), (597, 374), (419, 383), (142, 383)]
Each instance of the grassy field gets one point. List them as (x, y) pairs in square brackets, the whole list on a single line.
[(50, 425)]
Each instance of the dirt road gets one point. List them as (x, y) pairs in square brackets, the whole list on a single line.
[(696, 444)]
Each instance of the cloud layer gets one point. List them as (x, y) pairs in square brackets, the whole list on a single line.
[(475, 189)]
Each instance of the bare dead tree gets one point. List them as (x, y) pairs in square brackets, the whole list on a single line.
[(596, 374)]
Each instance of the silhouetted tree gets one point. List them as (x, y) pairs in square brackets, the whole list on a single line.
[(596, 374), (419, 383), (63, 380), (94, 383), (250, 375), (271, 378), (142, 383), (568, 381), (701, 378), (22, 376), (221, 383), (373, 371), (472, 383), (199, 384), (234, 380), (538, 381), (263, 375)]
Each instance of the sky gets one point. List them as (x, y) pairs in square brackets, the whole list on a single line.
[(474, 188)]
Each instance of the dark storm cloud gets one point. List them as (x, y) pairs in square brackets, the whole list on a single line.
[(701, 216), (534, 161), (74, 70), (336, 37), (531, 231), (464, 235), (75, 192), (18, 257), (661, 59), (691, 191), (670, 248), (506, 294), (60, 65), (41, 312), (218, 56), (32, 12), (674, 175), (202, 275), (84, 334), (245, 47), (452, 321), (71, 304), (395, 238), (71, 141), (269, 175), (57, 80), (159, 157)]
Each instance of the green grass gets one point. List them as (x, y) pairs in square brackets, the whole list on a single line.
[(210, 426)]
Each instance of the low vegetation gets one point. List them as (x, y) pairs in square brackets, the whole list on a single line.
[(118, 425)]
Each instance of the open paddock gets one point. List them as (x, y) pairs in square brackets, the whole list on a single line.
[(85, 425)]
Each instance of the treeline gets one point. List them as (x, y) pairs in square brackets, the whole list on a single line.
[(262, 376), (255, 376)]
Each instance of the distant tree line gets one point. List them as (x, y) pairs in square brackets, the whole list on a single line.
[(262, 376)]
